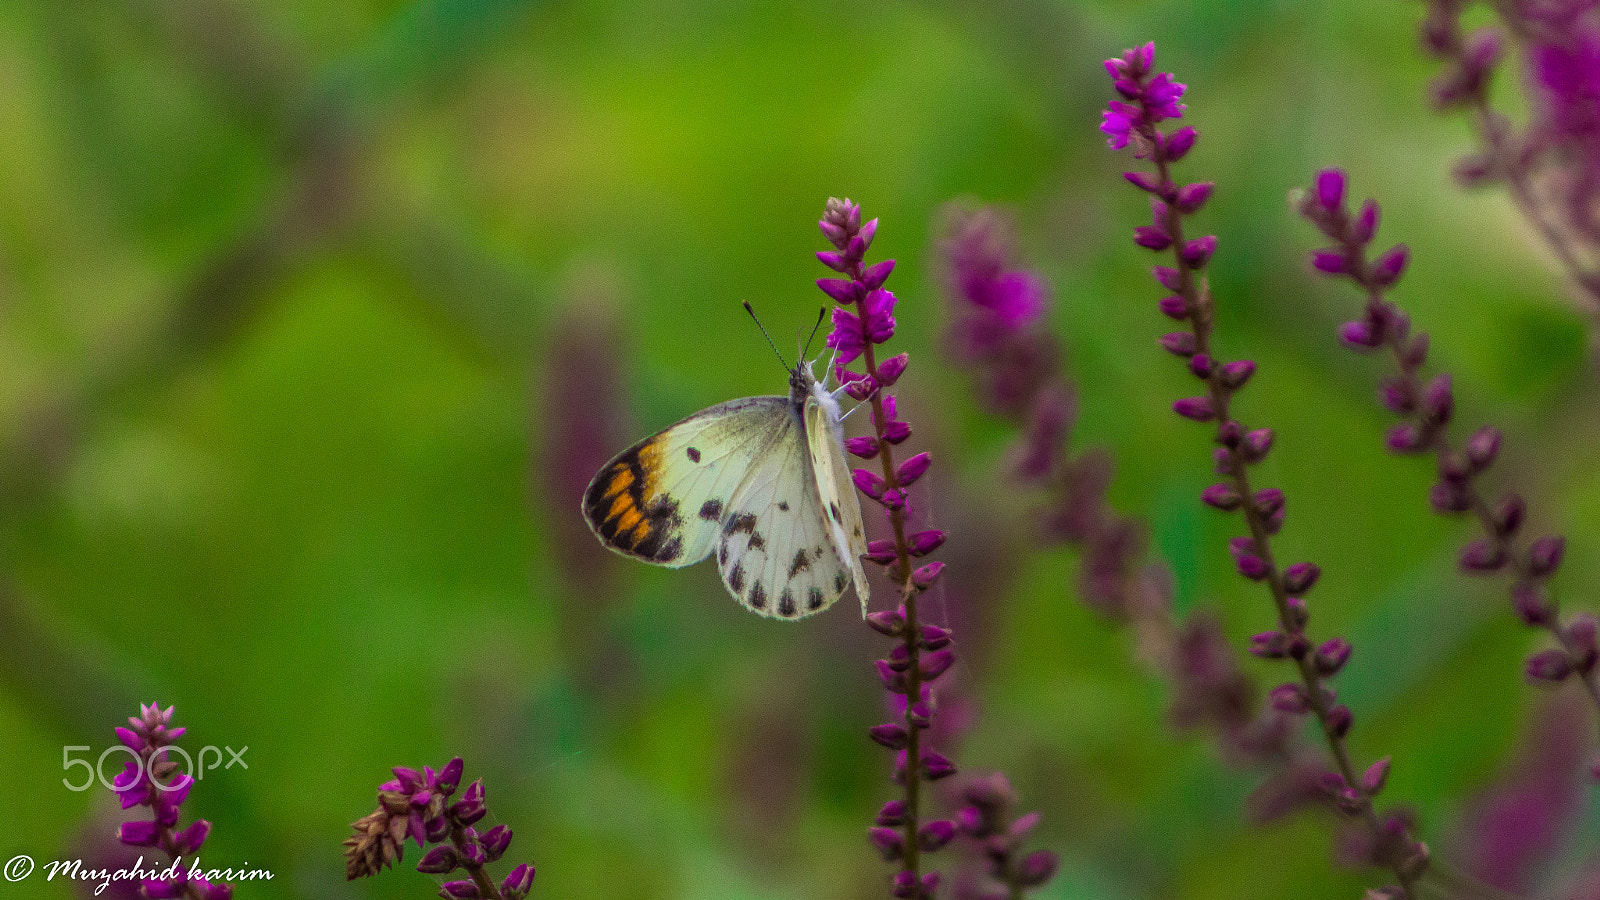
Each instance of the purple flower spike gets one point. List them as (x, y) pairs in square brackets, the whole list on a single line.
[(425, 816), (1239, 449), (157, 781)]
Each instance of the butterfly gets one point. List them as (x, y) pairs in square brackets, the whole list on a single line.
[(762, 482)]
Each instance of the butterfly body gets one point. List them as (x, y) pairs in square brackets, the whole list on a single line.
[(761, 482)]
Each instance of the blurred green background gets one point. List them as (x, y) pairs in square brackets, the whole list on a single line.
[(316, 317)]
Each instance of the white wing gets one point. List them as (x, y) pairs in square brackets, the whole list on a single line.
[(835, 489), (664, 500), (776, 555)]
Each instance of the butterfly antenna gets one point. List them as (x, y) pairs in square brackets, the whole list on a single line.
[(751, 310), (822, 313)]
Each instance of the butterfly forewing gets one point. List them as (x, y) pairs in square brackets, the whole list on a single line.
[(664, 500), (775, 553), (840, 509)]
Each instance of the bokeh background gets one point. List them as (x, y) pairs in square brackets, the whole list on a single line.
[(315, 318)]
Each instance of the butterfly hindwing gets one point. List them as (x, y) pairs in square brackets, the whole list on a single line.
[(664, 500), (774, 552), (840, 509)]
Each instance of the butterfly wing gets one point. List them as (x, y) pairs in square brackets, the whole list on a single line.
[(775, 552), (841, 510), (664, 499)]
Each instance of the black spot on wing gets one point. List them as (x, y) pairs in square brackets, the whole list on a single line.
[(745, 522), (814, 600), (758, 596), (757, 542), (670, 551), (736, 578), (694, 455), (786, 606), (711, 510), (839, 581), (802, 562), (783, 505)]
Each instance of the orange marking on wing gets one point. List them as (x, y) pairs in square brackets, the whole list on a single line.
[(630, 517), (650, 466), (619, 482), (621, 506)]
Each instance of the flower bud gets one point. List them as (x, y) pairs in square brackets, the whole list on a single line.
[(1037, 868), (1483, 556), (865, 447), (1377, 774), (1174, 307), (1180, 343), (1339, 721), (1300, 577), (889, 842), (1483, 446), (1390, 265), (1544, 555), (1221, 496), (936, 766), (516, 885), (1193, 196), (1255, 445), (1290, 698), (1233, 375), (892, 814), (936, 834), (1331, 657), (1270, 645), (1549, 665), (913, 468), (924, 542), (891, 734), (1532, 604), (887, 623), (438, 861), (937, 663), (1197, 408)]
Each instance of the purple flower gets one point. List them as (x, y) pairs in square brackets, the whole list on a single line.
[(1152, 100), (417, 805), (156, 781)]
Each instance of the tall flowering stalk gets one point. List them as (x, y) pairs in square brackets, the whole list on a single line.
[(1426, 407), (862, 320), (154, 780), (1551, 167), (1148, 99), (417, 805), (996, 308)]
